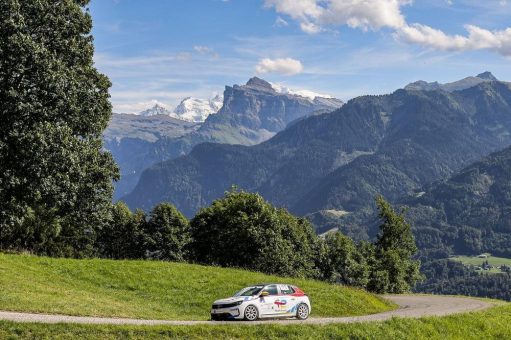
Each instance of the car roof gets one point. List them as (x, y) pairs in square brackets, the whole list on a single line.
[(272, 283)]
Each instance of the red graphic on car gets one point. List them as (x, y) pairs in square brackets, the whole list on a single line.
[(280, 302)]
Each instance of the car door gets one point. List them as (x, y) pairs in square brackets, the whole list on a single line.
[(286, 302), (267, 303)]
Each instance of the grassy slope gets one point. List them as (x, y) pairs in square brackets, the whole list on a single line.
[(476, 261), (491, 324), (149, 290)]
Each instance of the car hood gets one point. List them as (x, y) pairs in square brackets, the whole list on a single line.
[(233, 299)]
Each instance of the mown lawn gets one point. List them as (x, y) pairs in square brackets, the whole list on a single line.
[(491, 324), (150, 289), (476, 261)]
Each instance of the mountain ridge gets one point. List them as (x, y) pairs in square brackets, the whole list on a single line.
[(366, 147), (469, 212), (458, 85), (250, 114)]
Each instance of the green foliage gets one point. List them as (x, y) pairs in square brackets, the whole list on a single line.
[(150, 289), (393, 269), (167, 234), (454, 278), (55, 179), (341, 261), (122, 238), (243, 230), (469, 213)]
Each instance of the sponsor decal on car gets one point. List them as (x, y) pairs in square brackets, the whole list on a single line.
[(281, 303)]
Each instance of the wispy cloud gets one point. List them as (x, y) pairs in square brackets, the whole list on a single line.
[(279, 22), (313, 15), (167, 77), (206, 50)]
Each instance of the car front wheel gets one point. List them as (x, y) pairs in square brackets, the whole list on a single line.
[(302, 312), (251, 313)]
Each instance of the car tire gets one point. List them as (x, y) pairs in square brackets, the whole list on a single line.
[(251, 313), (302, 312)]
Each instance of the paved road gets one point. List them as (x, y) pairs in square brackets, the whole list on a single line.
[(410, 306)]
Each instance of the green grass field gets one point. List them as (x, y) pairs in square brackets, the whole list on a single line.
[(490, 324), (149, 289), (492, 260), (476, 261)]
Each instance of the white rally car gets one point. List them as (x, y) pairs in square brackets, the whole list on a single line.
[(268, 300)]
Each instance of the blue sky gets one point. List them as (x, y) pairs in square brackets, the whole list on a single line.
[(165, 50)]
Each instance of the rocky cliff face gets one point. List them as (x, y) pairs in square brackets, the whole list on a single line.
[(249, 114), (256, 111)]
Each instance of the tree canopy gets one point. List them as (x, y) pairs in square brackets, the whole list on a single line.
[(243, 230), (55, 178), (394, 269)]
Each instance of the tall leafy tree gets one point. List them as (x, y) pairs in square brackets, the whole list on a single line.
[(123, 236), (243, 230), (342, 262), (394, 269), (167, 233), (55, 178)]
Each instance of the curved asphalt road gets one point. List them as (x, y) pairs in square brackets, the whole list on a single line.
[(410, 306)]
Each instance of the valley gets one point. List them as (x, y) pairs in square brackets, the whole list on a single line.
[(267, 169)]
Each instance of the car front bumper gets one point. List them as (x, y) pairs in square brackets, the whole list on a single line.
[(226, 313)]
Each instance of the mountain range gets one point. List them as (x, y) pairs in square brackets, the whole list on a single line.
[(249, 114), (336, 163), (458, 85), (190, 109), (131, 137), (197, 110), (468, 213)]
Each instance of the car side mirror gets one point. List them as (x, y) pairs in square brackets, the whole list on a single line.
[(263, 294)]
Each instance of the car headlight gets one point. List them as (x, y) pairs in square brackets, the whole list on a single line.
[(238, 303)]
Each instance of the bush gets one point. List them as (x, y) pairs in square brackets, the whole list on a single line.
[(167, 234), (243, 230), (123, 237), (342, 262)]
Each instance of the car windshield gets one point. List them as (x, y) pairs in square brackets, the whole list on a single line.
[(249, 291)]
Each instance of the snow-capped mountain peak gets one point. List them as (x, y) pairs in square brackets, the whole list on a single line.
[(157, 109), (197, 110), (302, 93)]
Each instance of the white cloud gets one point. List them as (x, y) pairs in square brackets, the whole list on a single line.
[(302, 10), (285, 66), (314, 15), (279, 22), (363, 14), (167, 77), (138, 107), (310, 28), (203, 49), (206, 50), (477, 39), (183, 56)]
